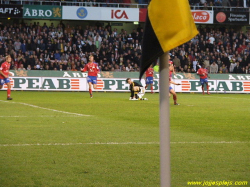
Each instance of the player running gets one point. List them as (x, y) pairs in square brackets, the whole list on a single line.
[(4, 76), (149, 78), (171, 68), (137, 91), (202, 72), (171, 91), (93, 70)]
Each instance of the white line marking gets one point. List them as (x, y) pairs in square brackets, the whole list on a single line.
[(118, 143), (14, 116), (55, 116), (225, 97), (34, 106)]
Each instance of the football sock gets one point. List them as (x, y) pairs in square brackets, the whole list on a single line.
[(174, 98), (90, 91), (207, 88), (8, 92), (152, 90), (136, 96)]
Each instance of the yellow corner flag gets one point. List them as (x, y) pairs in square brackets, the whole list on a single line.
[(169, 24)]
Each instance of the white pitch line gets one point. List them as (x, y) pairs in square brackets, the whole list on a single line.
[(41, 116), (34, 106), (117, 143), (224, 97)]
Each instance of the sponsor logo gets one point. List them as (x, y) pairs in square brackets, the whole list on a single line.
[(201, 16), (39, 13), (14, 11), (11, 10), (246, 86), (119, 14), (81, 13), (185, 85), (216, 86), (75, 84), (35, 12), (221, 17), (100, 84)]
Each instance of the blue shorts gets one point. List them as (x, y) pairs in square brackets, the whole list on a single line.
[(203, 81), (4, 81), (170, 88), (92, 79), (149, 80)]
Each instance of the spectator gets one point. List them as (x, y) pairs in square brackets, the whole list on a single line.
[(232, 65), (213, 68), (226, 3), (217, 2), (21, 67), (237, 69), (176, 61), (206, 62), (224, 69), (57, 55)]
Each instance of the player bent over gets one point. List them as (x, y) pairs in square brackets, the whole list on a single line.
[(4, 76), (202, 72), (171, 91), (136, 89), (93, 70)]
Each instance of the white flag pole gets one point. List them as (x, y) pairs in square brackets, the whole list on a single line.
[(165, 175)]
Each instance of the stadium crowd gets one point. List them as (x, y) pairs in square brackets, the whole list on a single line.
[(90, 3), (219, 3), (61, 48), (203, 4)]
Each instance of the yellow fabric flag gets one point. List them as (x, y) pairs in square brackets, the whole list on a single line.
[(169, 24), (172, 22)]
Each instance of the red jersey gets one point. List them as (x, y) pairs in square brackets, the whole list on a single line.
[(170, 74), (202, 71), (92, 69), (149, 72), (5, 67), (170, 62)]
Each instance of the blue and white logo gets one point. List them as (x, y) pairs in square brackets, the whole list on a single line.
[(82, 13)]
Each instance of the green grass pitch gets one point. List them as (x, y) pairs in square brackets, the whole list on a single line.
[(61, 139)]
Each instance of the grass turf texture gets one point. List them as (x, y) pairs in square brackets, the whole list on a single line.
[(118, 145)]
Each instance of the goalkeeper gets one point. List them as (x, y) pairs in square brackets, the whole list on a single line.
[(136, 89)]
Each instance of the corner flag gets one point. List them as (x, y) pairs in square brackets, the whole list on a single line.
[(169, 23)]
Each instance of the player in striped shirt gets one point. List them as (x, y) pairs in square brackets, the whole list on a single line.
[(4, 76), (202, 72), (171, 91), (150, 78), (93, 70)]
